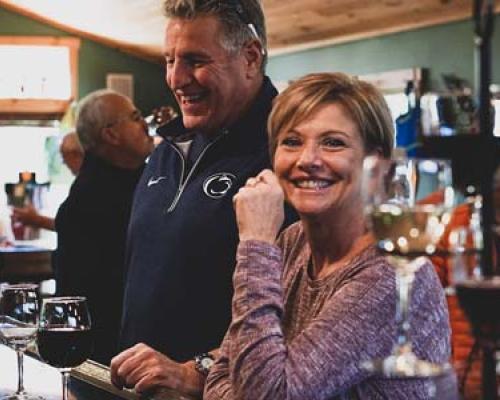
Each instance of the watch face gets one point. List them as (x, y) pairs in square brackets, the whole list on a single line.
[(203, 363), (207, 362)]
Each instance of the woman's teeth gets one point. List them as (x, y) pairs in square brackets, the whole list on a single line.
[(312, 184)]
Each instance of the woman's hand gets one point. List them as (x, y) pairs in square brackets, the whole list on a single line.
[(259, 208)]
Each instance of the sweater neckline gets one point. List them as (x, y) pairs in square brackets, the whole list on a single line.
[(339, 273)]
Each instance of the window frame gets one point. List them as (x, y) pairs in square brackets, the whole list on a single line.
[(13, 108)]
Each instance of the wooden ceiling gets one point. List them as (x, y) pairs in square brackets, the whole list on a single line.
[(137, 25), (296, 24)]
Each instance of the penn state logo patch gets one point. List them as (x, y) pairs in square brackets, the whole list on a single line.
[(217, 185)]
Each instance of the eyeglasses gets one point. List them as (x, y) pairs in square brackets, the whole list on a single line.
[(134, 116)]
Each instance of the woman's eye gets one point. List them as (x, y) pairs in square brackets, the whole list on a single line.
[(290, 142), (333, 142)]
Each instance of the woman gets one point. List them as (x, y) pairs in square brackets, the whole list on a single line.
[(308, 310)]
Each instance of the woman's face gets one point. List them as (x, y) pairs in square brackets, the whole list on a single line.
[(319, 162)]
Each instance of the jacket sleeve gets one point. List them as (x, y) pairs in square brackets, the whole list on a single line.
[(258, 362)]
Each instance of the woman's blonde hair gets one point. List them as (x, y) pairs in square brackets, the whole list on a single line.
[(364, 103)]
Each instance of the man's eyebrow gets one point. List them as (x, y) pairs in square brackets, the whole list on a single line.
[(188, 55)]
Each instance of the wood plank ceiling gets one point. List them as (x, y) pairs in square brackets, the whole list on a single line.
[(296, 24), (136, 26)]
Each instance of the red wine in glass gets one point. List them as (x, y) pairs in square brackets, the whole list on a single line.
[(64, 335), (64, 347)]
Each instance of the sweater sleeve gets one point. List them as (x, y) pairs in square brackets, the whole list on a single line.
[(218, 384), (257, 362)]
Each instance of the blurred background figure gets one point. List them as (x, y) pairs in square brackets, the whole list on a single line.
[(159, 117), (6, 235), (72, 155), (91, 223), (72, 152)]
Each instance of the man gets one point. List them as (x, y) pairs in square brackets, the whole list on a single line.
[(91, 223), (72, 152), (182, 234), (72, 155)]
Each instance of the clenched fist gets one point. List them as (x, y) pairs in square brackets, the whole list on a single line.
[(259, 208)]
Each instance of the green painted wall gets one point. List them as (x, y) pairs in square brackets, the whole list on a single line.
[(440, 49), (96, 60)]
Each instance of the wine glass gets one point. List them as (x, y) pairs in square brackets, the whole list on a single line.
[(408, 203), (18, 323), (64, 335)]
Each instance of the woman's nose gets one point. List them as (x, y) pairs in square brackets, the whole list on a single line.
[(310, 157)]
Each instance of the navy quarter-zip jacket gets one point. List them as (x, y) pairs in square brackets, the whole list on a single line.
[(183, 235)]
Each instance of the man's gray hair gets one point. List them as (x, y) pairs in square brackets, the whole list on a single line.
[(92, 117), (242, 20)]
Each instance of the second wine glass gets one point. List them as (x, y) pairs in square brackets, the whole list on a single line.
[(64, 335), (408, 203)]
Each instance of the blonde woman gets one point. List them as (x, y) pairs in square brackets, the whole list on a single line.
[(309, 308)]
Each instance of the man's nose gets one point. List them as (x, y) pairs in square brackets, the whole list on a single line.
[(178, 75)]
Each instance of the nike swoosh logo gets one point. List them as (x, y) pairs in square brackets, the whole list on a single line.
[(153, 181)]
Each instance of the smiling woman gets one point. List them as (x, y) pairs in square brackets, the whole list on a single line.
[(310, 306)]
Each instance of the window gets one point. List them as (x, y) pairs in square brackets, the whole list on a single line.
[(39, 75), (38, 83)]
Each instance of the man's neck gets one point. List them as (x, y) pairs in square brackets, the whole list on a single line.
[(251, 96)]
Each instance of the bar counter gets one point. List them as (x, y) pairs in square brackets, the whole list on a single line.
[(90, 381), (21, 263)]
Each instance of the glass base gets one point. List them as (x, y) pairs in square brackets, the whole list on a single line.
[(405, 364), (21, 396)]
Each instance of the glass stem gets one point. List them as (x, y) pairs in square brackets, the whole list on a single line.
[(404, 282), (65, 381), (20, 371)]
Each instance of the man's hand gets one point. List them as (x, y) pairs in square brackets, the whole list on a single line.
[(29, 216), (145, 369)]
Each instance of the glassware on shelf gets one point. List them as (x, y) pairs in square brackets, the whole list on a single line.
[(408, 203), (465, 242)]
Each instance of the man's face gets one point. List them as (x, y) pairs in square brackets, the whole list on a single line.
[(211, 85), (73, 160), (130, 128)]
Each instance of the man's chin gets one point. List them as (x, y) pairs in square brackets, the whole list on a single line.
[(200, 123)]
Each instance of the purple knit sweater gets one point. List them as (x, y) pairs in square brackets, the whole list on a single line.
[(293, 337)]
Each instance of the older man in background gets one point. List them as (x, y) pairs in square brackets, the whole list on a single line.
[(92, 222), (183, 235)]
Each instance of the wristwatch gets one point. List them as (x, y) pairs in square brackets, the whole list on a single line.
[(203, 362)]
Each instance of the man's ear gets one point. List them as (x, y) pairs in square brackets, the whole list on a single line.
[(111, 136), (253, 54)]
